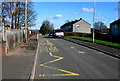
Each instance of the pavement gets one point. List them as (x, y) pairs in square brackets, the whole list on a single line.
[(115, 52), (19, 63), (60, 59)]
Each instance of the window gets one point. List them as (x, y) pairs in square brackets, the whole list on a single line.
[(77, 26)]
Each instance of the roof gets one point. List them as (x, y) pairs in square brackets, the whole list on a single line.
[(115, 22), (72, 22), (105, 30)]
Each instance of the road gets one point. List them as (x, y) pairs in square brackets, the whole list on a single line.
[(61, 59)]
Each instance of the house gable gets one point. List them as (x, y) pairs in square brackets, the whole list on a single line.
[(82, 27), (115, 28)]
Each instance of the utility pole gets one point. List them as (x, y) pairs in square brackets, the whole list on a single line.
[(26, 20), (119, 10), (2, 21), (94, 21), (3, 34), (10, 15), (0, 39)]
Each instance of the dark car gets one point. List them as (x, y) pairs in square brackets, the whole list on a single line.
[(50, 34)]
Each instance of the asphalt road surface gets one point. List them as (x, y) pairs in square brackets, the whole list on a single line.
[(61, 59)]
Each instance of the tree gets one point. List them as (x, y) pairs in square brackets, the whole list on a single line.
[(4, 12), (14, 14), (99, 25), (46, 27)]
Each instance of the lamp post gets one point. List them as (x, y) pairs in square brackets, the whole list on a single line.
[(94, 21), (2, 21), (26, 20), (119, 10)]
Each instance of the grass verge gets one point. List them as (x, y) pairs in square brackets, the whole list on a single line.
[(97, 41)]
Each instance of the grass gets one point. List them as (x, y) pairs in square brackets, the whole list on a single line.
[(97, 41)]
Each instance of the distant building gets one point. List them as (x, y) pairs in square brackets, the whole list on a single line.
[(78, 26), (105, 31), (115, 29)]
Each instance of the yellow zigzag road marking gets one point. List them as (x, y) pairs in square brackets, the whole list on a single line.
[(58, 75), (58, 58)]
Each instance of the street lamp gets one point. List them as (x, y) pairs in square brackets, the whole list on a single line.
[(94, 21), (119, 10), (26, 20), (2, 21)]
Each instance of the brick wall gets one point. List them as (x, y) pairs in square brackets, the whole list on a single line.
[(3, 48)]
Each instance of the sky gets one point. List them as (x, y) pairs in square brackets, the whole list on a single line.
[(59, 12)]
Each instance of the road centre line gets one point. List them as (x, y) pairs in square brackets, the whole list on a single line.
[(81, 52), (71, 47)]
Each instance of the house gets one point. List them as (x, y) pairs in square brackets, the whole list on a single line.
[(105, 31), (115, 29), (77, 26)]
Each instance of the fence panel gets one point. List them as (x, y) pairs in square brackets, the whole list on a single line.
[(13, 38)]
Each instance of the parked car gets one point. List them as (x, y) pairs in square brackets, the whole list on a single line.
[(50, 34), (58, 33)]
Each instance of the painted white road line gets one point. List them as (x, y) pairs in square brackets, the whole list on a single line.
[(35, 63), (81, 52), (71, 47)]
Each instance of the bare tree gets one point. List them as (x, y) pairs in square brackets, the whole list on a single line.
[(14, 14), (99, 25)]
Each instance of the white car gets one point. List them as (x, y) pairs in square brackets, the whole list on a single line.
[(59, 34)]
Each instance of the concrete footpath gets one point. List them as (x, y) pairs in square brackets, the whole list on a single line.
[(115, 52), (19, 63)]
